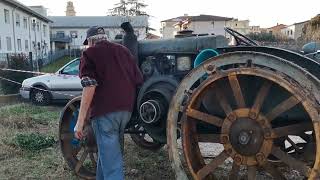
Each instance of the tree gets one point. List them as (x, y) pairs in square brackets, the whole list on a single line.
[(120, 9), (136, 8), (129, 8), (311, 30), (262, 37)]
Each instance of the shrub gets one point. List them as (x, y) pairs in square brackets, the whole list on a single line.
[(19, 62), (266, 37), (33, 141)]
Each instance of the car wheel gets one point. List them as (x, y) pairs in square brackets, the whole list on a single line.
[(40, 97)]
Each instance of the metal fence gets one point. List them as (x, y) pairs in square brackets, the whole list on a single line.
[(6, 57), (37, 61), (55, 55)]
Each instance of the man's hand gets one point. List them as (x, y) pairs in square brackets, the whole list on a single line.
[(87, 95), (78, 130)]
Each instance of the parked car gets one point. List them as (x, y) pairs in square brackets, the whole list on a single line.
[(63, 85)]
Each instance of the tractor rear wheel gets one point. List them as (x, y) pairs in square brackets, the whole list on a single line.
[(246, 117)]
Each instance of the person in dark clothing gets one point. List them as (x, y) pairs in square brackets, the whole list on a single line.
[(109, 76)]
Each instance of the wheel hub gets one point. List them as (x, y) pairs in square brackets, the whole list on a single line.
[(246, 136), (150, 111), (39, 97)]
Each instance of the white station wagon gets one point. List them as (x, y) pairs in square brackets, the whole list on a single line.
[(63, 85)]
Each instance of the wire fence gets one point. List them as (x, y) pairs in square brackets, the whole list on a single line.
[(52, 56)]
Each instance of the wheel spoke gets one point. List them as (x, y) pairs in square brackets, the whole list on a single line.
[(273, 171), (210, 138), (252, 172), (207, 169), (204, 117), (290, 161), (72, 107), (93, 159), (262, 94), (235, 86), (81, 160), (282, 107), (66, 136), (234, 171), (223, 101), (294, 129)]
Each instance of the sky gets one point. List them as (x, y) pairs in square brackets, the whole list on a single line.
[(265, 13)]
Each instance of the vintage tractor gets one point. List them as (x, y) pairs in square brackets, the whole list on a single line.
[(246, 107)]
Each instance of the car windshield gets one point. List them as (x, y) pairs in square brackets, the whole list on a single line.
[(71, 69)]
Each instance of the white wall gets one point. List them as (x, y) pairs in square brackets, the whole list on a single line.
[(198, 27), (242, 26), (167, 30), (16, 32), (203, 27), (288, 32), (298, 30), (81, 32)]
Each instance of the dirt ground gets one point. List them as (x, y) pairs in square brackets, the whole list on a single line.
[(48, 163)]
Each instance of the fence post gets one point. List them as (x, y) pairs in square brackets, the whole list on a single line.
[(8, 60), (31, 61)]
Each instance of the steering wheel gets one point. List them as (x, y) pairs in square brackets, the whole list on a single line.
[(240, 38)]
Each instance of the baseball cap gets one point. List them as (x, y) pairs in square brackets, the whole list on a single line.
[(92, 31)]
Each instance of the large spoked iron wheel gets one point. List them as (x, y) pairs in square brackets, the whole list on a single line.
[(245, 121), (81, 156)]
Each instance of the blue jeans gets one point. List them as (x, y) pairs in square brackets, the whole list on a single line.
[(109, 130)]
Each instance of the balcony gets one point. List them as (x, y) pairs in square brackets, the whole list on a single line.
[(60, 38)]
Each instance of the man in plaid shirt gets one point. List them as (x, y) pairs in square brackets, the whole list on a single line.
[(109, 76)]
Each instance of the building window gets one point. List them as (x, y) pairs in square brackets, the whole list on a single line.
[(74, 34), (38, 26), (6, 16), (25, 23), (19, 44), (291, 32), (26, 45), (9, 46), (60, 34), (44, 30), (17, 20)]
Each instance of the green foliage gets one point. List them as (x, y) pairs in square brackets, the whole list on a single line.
[(25, 115), (33, 141), (53, 67), (262, 37), (19, 62)]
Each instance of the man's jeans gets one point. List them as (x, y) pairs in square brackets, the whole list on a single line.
[(109, 130)]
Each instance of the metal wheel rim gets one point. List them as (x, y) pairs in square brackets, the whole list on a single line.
[(306, 104), (77, 156), (39, 96)]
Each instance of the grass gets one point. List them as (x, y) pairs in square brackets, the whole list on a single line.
[(36, 156), (53, 67)]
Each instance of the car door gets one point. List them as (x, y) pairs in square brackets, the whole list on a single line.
[(66, 84)]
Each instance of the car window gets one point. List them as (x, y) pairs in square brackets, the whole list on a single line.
[(71, 69)]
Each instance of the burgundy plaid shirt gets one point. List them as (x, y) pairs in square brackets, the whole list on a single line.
[(117, 76)]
